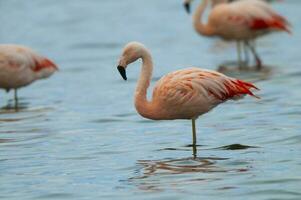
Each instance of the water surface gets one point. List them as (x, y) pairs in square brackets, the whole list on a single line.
[(77, 134)]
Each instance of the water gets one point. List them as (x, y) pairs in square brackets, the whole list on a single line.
[(77, 134)]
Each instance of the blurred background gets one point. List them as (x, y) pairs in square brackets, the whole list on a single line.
[(77, 134)]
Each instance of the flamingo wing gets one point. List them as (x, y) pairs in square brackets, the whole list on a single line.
[(194, 86), (274, 22)]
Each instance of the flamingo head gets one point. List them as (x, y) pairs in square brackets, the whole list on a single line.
[(187, 5), (131, 52)]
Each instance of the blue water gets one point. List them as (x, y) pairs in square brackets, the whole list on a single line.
[(77, 134)]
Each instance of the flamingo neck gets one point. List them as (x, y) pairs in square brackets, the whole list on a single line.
[(199, 26), (143, 106)]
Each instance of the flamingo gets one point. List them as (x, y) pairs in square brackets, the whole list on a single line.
[(242, 21), (238, 45), (20, 66), (183, 94)]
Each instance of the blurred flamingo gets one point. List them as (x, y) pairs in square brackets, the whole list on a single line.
[(20, 66), (242, 21), (238, 44), (183, 94)]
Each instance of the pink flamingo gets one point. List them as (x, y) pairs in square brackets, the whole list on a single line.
[(183, 94), (238, 44), (241, 21), (20, 66)]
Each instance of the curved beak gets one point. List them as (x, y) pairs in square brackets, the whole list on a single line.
[(187, 7), (122, 72)]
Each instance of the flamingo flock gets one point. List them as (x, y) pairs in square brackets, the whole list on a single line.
[(183, 94)]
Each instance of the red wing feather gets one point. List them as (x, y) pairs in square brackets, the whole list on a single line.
[(44, 63), (241, 88), (277, 22), (235, 88)]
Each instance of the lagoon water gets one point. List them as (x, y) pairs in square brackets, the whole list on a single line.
[(77, 135)]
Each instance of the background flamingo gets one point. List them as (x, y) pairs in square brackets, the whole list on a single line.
[(20, 66), (187, 6), (242, 21), (183, 94)]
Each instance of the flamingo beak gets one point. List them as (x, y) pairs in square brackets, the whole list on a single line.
[(122, 72), (187, 7)]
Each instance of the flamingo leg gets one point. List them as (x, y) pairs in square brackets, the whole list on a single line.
[(16, 99), (194, 139), (238, 45), (193, 133), (246, 53), (257, 58), (16, 95)]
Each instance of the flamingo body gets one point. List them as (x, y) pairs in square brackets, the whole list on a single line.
[(245, 20), (20, 66), (191, 92)]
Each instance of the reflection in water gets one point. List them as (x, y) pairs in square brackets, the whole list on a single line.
[(248, 73), (23, 107), (156, 174), (11, 114), (180, 166), (14, 106)]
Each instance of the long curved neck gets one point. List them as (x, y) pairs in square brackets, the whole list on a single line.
[(203, 29), (145, 74), (143, 106)]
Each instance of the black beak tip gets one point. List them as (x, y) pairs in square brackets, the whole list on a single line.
[(187, 7), (122, 72)]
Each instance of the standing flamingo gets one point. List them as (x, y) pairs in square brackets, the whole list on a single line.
[(238, 44), (183, 94), (20, 66), (241, 21)]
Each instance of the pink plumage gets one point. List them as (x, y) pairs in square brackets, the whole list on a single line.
[(242, 20), (20, 66), (191, 92)]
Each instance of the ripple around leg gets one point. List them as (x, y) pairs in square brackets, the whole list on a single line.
[(179, 166)]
